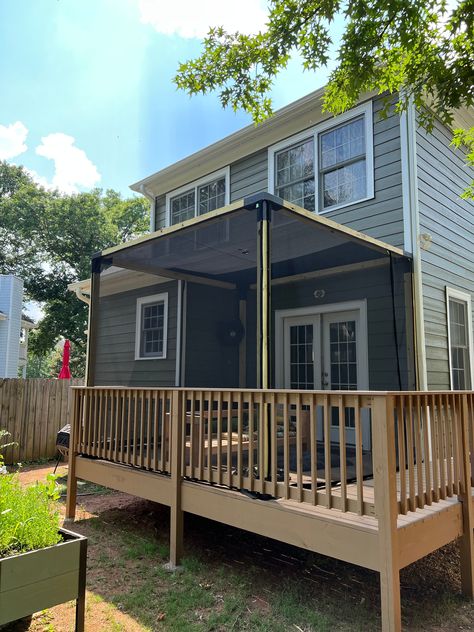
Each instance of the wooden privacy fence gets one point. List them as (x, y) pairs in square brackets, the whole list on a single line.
[(32, 411), (288, 444)]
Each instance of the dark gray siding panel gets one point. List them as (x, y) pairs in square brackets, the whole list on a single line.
[(115, 350), (208, 362), (160, 212), (249, 175), (449, 221)]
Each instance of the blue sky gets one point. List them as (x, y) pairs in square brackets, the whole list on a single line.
[(87, 97)]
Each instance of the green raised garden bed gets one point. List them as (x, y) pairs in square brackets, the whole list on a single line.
[(36, 580)]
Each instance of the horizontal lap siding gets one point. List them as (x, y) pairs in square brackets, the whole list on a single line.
[(115, 349), (249, 175), (449, 221)]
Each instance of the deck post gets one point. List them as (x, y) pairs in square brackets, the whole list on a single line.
[(466, 544), (71, 494), (386, 509), (176, 512)]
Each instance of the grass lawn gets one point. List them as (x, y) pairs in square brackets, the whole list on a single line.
[(233, 580)]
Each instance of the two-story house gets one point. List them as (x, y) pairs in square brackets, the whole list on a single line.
[(330, 260)]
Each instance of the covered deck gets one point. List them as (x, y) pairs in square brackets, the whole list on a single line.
[(241, 429)]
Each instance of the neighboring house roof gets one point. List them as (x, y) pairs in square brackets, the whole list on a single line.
[(27, 322), (3, 316)]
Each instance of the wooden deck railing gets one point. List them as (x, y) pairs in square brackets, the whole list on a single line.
[(288, 444)]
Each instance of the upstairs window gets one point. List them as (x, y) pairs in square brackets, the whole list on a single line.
[(328, 167), (342, 168), (151, 327), (198, 198), (459, 338)]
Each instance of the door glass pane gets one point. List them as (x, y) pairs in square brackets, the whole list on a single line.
[(343, 364), (301, 357)]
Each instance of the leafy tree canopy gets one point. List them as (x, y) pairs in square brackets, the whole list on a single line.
[(47, 239), (422, 49)]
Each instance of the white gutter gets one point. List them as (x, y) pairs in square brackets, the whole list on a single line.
[(79, 288)]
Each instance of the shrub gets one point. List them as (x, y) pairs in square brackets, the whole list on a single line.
[(29, 518)]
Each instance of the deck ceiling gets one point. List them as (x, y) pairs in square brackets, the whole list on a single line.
[(224, 247)]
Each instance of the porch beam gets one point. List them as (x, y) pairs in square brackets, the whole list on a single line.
[(176, 274), (319, 274)]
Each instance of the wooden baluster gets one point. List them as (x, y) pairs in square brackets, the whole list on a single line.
[(456, 450), (426, 416), (274, 443), (228, 397), (402, 453), (411, 455), (448, 441), (418, 451), (286, 445), (296, 401), (192, 434), (327, 451), (149, 409), (434, 416), (208, 417), (201, 434), (251, 438), (313, 449), (155, 419), (239, 439), (342, 452), (466, 541), (219, 437), (100, 424), (442, 446), (359, 458)]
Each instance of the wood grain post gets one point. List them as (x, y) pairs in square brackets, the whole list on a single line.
[(466, 541), (386, 509), (71, 496), (176, 513)]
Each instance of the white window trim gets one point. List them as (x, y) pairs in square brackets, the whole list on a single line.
[(222, 173), (466, 298), (364, 109), (144, 300)]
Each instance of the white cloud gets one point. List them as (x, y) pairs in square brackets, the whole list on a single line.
[(12, 140), (72, 167), (189, 18), (39, 179)]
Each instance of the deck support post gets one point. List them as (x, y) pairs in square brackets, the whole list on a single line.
[(466, 543), (176, 512), (71, 495), (386, 509)]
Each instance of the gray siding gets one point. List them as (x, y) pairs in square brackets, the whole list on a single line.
[(381, 217), (449, 220), (115, 350)]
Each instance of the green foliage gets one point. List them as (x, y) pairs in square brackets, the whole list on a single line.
[(3, 446), (421, 49), (29, 518), (47, 239)]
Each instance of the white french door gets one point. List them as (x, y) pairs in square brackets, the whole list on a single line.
[(325, 350)]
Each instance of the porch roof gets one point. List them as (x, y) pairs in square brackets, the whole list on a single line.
[(221, 246)]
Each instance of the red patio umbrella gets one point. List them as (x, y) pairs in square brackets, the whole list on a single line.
[(65, 372)]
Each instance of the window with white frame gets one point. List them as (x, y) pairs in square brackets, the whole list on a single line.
[(198, 198), (151, 327), (327, 167), (459, 338)]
